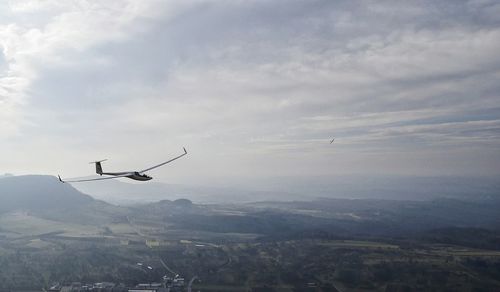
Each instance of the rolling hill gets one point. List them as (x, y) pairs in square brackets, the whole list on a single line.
[(39, 192), (45, 197)]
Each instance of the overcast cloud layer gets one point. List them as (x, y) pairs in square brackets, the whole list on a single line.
[(251, 88)]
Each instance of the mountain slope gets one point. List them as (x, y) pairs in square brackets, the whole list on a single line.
[(46, 198), (39, 192)]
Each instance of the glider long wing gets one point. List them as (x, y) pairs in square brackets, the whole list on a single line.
[(163, 163), (92, 179)]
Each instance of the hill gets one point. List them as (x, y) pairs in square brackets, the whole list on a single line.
[(45, 197), (39, 192)]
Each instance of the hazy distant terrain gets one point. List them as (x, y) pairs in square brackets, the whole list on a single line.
[(51, 233), (305, 188)]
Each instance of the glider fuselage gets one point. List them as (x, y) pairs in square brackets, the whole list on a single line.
[(132, 175), (138, 176)]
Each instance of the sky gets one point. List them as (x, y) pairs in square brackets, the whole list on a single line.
[(251, 88)]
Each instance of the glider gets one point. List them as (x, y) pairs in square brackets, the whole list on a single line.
[(332, 140), (135, 175)]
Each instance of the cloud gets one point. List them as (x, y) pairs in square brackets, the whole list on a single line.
[(258, 83), (54, 34)]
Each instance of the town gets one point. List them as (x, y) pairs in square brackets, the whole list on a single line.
[(167, 284)]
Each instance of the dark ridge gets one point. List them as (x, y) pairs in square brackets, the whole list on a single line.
[(39, 192)]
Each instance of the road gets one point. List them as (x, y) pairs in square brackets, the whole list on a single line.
[(167, 267), (191, 283)]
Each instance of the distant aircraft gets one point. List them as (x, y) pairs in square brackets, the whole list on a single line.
[(332, 140), (135, 175)]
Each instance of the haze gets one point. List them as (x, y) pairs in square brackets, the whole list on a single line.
[(251, 88)]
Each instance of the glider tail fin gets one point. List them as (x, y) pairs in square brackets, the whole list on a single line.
[(98, 167)]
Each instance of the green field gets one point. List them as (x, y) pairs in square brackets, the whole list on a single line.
[(23, 224)]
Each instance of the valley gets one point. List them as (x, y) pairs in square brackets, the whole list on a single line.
[(316, 245)]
